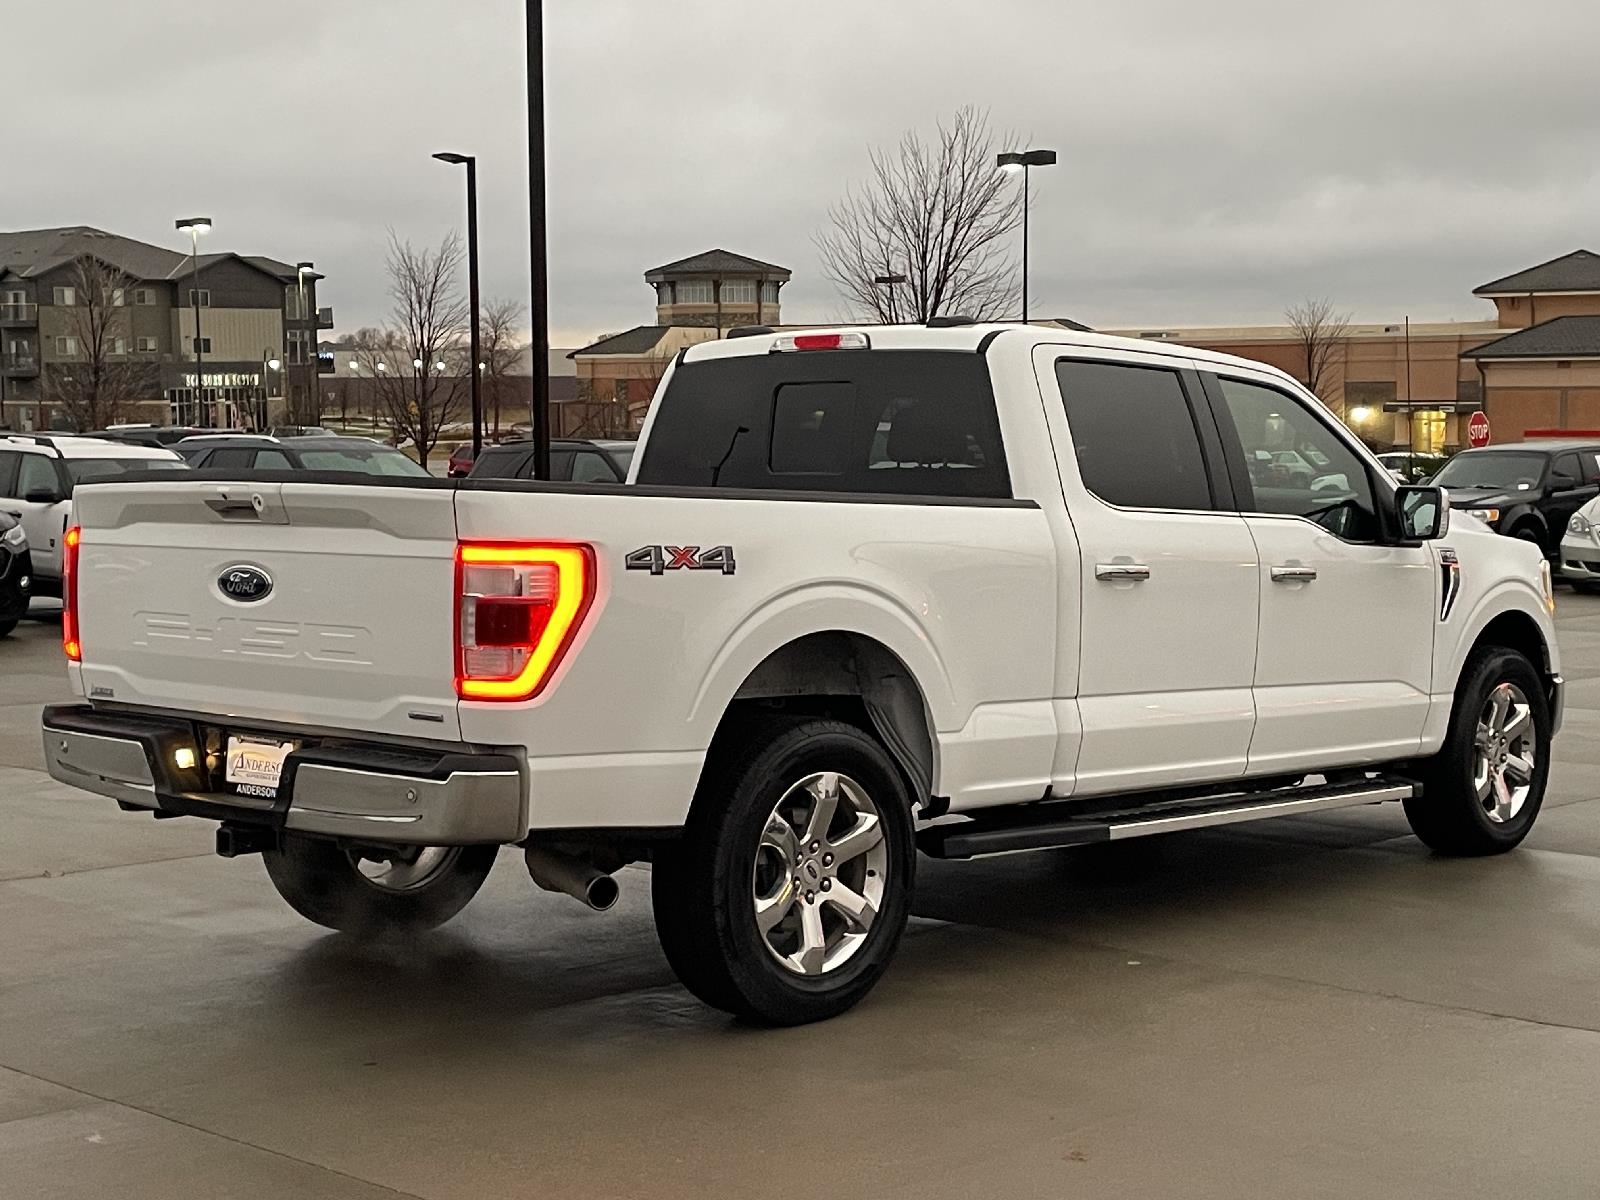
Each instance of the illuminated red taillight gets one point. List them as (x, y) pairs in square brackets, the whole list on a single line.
[(518, 607), (821, 341), (69, 594)]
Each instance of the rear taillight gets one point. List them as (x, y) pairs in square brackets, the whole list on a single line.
[(69, 594), (518, 607)]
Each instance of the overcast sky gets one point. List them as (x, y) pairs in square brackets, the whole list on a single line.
[(1218, 161)]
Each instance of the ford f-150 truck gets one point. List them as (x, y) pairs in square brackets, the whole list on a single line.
[(869, 592)]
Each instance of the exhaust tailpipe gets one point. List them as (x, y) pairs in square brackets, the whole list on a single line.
[(557, 872)]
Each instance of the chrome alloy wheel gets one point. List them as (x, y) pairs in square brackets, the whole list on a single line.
[(818, 878), (404, 868), (1504, 753)]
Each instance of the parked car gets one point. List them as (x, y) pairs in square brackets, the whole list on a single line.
[(1049, 606), (151, 435), (1580, 548), (1412, 468), (16, 572), (578, 460), (38, 476), (357, 454), (459, 464), (1529, 490)]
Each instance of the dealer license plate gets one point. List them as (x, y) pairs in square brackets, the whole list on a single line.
[(254, 766)]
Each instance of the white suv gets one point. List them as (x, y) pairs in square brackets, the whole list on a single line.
[(37, 475)]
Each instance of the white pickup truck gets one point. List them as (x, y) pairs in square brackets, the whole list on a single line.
[(963, 590)]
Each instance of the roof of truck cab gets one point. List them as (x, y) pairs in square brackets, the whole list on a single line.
[(73, 446), (979, 337)]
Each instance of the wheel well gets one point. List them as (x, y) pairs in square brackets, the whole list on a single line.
[(849, 677), (1517, 631)]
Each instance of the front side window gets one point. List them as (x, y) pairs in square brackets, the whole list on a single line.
[(1134, 435), (1568, 465), (377, 461), (1297, 465), (590, 467)]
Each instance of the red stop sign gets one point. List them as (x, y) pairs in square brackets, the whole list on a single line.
[(1478, 429)]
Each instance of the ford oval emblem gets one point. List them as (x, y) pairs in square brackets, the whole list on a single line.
[(245, 583)]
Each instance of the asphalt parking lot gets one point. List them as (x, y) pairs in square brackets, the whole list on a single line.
[(1303, 1007)]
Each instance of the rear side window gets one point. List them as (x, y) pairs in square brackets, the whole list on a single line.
[(1134, 435), (231, 456), (899, 422)]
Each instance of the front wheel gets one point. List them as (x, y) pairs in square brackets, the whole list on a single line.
[(787, 895), (1483, 789), (370, 891)]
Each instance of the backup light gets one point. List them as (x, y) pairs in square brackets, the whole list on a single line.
[(518, 607)]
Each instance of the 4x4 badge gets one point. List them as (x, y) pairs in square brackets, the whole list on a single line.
[(660, 559)]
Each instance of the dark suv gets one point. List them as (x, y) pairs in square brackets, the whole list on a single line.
[(577, 460), (1528, 490), (358, 455)]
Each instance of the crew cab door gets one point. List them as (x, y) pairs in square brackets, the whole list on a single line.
[(1345, 656), (1167, 575), (44, 519)]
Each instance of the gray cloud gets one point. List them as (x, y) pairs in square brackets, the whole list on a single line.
[(1218, 161)]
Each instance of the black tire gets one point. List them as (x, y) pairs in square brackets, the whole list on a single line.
[(1528, 532), (322, 882), (1586, 587), (702, 886), (1448, 815), (6, 627)]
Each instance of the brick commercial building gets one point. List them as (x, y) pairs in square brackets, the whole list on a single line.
[(698, 299), (78, 302), (1534, 365)]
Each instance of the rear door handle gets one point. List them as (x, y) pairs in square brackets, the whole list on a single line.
[(1121, 572), (1293, 574)]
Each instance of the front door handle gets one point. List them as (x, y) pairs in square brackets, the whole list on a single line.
[(1121, 572), (1293, 574)]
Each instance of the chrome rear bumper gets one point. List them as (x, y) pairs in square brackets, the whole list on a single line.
[(369, 792)]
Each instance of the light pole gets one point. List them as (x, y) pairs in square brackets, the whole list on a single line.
[(471, 163), (268, 363), (194, 227), (538, 262), (891, 281), (1024, 160), (306, 342)]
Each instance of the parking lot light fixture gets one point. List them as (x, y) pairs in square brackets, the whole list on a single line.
[(1023, 160), (194, 227), (471, 163)]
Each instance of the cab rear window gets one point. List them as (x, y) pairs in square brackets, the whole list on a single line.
[(901, 422)]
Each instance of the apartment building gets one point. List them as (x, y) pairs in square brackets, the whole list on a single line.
[(76, 298)]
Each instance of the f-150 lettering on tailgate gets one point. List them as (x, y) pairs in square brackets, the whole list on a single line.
[(177, 633)]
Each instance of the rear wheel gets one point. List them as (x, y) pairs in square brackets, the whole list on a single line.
[(788, 893), (1482, 791), (371, 890), (1528, 533)]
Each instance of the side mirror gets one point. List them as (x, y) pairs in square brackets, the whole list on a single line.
[(1424, 513), (44, 496), (1561, 483)]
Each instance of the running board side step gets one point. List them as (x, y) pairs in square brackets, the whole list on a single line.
[(1050, 825)]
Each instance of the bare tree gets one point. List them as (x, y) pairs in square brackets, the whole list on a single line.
[(1321, 333), (426, 326), (103, 381), (938, 213), (498, 327)]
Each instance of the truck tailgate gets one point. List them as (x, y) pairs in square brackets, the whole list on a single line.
[(350, 626)]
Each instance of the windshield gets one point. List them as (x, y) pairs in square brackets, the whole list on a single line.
[(379, 460), (81, 470), (1503, 470)]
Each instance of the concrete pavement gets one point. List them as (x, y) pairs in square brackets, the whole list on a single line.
[(1308, 1007)]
